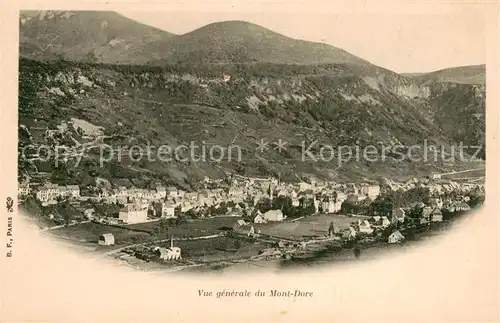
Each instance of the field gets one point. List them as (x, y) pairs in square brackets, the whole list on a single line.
[(311, 226), (222, 248), (194, 228), (90, 232)]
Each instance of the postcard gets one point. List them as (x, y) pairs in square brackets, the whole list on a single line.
[(268, 161)]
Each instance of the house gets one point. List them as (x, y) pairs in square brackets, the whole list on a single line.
[(251, 231), (133, 213), (396, 237), (106, 239), (241, 223), (364, 227), (23, 189), (89, 213), (330, 206), (349, 233), (372, 191), (385, 221), (426, 214), (259, 219), (172, 192), (436, 202), (73, 191), (164, 209), (352, 188), (171, 253), (436, 215), (48, 192), (398, 215), (273, 216), (161, 192), (462, 206)]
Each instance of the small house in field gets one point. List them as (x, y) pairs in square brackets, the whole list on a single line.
[(398, 215), (349, 234), (259, 219), (396, 237), (171, 253), (364, 227), (241, 223), (106, 239), (89, 213)]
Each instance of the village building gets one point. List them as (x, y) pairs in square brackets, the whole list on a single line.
[(172, 192), (436, 202), (89, 213), (398, 215), (351, 188), (365, 227), (330, 206), (436, 215), (461, 206), (171, 253), (241, 223), (133, 213), (371, 191), (273, 216), (23, 189), (349, 233), (396, 237), (47, 192), (164, 210), (161, 192), (426, 214), (259, 219), (251, 231), (106, 239), (384, 221)]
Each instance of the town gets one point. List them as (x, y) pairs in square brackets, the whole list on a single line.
[(242, 219)]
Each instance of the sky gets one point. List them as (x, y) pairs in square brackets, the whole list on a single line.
[(403, 43)]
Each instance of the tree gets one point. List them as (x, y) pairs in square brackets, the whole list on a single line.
[(237, 244), (357, 252), (331, 229), (67, 218)]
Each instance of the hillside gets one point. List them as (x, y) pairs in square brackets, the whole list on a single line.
[(89, 79), (88, 36), (475, 74), (107, 37), (333, 105), (243, 42)]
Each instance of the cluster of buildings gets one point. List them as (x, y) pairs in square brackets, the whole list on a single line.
[(246, 193), (49, 193)]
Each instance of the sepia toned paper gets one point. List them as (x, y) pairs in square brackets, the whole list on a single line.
[(450, 277)]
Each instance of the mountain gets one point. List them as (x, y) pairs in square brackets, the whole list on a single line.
[(88, 36), (229, 83), (457, 99), (323, 107), (107, 37), (243, 42), (474, 74)]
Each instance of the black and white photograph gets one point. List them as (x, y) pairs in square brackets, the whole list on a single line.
[(184, 142)]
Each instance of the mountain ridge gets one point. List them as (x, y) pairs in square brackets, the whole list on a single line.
[(237, 84), (232, 41)]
